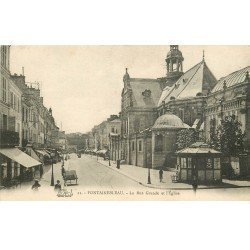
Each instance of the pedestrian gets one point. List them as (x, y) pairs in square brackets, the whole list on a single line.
[(36, 185), (63, 171), (58, 185), (194, 183), (41, 171), (161, 174)]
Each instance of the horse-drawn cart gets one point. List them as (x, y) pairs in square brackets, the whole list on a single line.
[(69, 176)]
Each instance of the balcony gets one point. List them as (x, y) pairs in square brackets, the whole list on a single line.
[(8, 138)]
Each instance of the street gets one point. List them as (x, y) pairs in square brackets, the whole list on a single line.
[(99, 182), (91, 174)]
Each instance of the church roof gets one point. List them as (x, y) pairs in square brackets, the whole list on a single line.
[(196, 80), (232, 79), (169, 121), (146, 92)]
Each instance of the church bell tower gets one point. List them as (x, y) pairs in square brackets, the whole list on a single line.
[(174, 63)]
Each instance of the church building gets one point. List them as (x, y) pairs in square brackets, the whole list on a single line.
[(179, 95), (154, 110)]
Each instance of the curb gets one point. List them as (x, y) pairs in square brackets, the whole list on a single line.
[(114, 169), (166, 188)]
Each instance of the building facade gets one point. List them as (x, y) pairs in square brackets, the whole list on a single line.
[(230, 97), (144, 100), (103, 132), (154, 110), (10, 101), (13, 162), (38, 123), (138, 112)]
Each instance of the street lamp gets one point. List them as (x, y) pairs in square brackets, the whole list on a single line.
[(146, 134), (52, 170), (149, 178), (109, 150), (109, 159)]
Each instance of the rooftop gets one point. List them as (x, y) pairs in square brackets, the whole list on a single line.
[(198, 148), (232, 79), (198, 79), (146, 92), (169, 121)]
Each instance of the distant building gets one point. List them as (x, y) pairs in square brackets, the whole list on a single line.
[(78, 140), (62, 140), (114, 129), (90, 140), (104, 130), (55, 138)]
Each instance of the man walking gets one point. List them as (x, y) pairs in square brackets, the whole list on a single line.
[(63, 171), (161, 175), (194, 180)]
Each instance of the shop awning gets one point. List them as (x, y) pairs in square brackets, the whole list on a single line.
[(20, 157), (43, 153), (34, 155)]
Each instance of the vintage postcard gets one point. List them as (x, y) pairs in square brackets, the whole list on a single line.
[(168, 122)]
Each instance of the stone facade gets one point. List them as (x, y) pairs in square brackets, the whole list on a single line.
[(38, 122), (144, 100), (230, 97), (10, 99), (192, 97), (138, 112), (101, 132)]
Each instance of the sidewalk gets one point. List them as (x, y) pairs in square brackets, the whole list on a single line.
[(140, 175)]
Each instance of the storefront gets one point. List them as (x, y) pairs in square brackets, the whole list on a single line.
[(199, 161), (43, 156), (15, 164)]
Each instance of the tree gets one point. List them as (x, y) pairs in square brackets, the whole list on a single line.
[(228, 137), (214, 142), (185, 138)]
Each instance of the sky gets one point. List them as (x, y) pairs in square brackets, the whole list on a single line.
[(83, 84)]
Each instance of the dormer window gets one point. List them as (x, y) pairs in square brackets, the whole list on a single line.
[(146, 93)]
